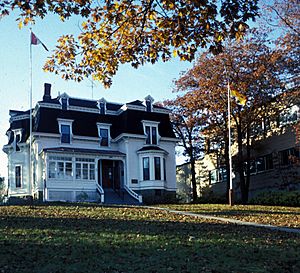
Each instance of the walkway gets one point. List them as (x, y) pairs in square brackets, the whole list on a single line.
[(229, 220)]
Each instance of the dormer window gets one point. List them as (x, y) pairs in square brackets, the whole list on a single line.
[(17, 139), (65, 133), (148, 103), (104, 134), (102, 106), (64, 101), (148, 106), (151, 132), (65, 130), (64, 104)]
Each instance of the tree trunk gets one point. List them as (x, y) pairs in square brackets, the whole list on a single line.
[(244, 191), (248, 151), (194, 185)]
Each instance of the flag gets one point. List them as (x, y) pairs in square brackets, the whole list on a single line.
[(36, 41), (241, 99)]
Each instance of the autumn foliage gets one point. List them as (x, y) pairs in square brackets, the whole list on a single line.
[(135, 32)]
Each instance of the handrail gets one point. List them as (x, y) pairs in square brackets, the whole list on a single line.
[(134, 194), (101, 192)]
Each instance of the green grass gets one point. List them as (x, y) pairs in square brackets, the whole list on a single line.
[(89, 238), (271, 215)]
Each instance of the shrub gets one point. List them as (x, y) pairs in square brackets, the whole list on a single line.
[(277, 198)]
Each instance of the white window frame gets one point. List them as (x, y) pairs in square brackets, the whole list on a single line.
[(60, 159), (105, 126), (64, 96), (151, 157), (67, 122), (21, 176), (151, 124), (151, 100), (99, 102), (17, 132), (89, 162)]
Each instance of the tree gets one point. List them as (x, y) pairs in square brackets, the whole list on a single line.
[(187, 127), (2, 188), (254, 70), (135, 32), (283, 16)]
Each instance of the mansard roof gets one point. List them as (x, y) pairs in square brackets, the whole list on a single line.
[(85, 115), (85, 123)]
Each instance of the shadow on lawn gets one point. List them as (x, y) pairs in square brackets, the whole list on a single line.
[(37, 244), (245, 212)]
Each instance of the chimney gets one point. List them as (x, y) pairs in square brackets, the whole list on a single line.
[(47, 92)]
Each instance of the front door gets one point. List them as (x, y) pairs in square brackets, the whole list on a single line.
[(110, 174)]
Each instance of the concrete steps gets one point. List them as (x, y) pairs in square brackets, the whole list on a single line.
[(119, 198)]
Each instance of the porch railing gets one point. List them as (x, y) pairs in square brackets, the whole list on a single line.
[(134, 194), (101, 193)]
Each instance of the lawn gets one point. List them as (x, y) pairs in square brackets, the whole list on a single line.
[(270, 215), (90, 238)]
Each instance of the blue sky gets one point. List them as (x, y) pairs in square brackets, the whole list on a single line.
[(129, 83)]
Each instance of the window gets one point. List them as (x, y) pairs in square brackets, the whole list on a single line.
[(148, 105), (17, 138), (288, 156), (260, 164), (102, 106), (289, 115), (18, 177), (104, 134), (151, 132), (85, 168), (52, 169), (64, 104), (165, 173), (64, 101), (146, 168), (148, 139), (65, 129), (269, 162), (103, 137), (65, 134), (154, 135), (153, 167), (218, 175), (60, 167), (17, 141), (157, 168)]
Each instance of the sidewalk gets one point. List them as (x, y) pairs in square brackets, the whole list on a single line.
[(228, 220)]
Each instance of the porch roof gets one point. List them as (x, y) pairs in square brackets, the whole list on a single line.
[(83, 151)]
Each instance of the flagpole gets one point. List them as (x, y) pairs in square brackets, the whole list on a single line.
[(231, 202), (30, 116)]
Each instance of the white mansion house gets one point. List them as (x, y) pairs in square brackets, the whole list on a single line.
[(91, 150)]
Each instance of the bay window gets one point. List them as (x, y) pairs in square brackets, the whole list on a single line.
[(153, 167), (146, 168), (157, 168)]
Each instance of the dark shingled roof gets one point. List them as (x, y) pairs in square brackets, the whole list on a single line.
[(85, 123), (136, 102), (151, 148), (85, 103)]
